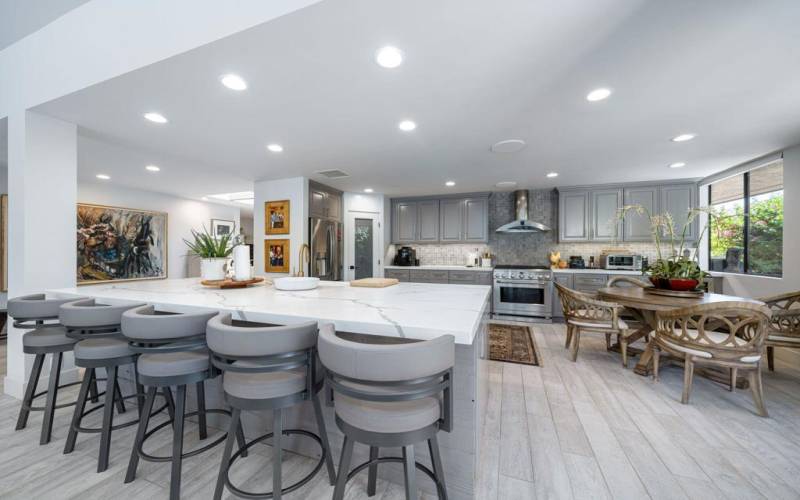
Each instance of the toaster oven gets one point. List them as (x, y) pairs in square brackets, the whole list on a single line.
[(622, 262)]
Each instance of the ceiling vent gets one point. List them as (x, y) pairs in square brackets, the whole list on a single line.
[(333, 174)]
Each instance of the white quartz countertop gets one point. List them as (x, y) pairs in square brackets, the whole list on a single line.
[(413, 310), (597, 271), (442, 268)]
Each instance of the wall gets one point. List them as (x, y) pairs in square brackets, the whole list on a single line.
[(183, 215), (295, 190)]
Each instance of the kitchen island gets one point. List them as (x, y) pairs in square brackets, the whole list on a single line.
[(405, 311)]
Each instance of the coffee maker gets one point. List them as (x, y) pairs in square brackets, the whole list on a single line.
[(406, 256)]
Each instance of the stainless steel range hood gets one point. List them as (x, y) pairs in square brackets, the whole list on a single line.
[(521, 224)]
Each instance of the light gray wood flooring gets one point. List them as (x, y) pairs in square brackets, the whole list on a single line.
[(584, 430)]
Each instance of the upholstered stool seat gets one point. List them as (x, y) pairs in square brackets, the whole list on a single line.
[(103, 348), (392, 416), (173, 364), (263, 385), (48, 337)]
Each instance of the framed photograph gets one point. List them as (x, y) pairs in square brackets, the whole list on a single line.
[(276, 217), (276, 256), (120, 244), (220, 228)]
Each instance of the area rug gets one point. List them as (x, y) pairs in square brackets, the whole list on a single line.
[(512, 344)]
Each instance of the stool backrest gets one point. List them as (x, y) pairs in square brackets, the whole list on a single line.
[(145, 327), (242, 340), (86, 317), (30, 310)]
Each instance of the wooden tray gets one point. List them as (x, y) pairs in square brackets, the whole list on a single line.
[(375, 282), (229, 283), (690, 294)]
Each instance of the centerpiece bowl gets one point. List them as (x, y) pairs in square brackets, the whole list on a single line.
[(294, 283)]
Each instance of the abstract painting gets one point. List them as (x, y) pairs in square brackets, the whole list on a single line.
[(120, 244), (277, 256), (276, 217)]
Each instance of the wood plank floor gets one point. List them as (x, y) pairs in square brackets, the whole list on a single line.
[(584, 430)]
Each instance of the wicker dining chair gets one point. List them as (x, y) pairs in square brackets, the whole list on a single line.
[(584, 312), (724, 334), (784, 325)]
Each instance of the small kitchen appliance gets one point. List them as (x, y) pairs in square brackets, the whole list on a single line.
[(406, 256), (576, 262), (621, 262), (524, 291)]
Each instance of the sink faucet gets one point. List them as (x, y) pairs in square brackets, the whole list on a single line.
[(304, 258)]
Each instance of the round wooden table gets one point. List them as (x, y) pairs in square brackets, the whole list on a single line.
[(644, 306)]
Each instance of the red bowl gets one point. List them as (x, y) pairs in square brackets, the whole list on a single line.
[(683, 284), (660, 283)]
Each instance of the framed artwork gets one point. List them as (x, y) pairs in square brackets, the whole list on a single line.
[(120, 244), (220, 228), (276, 253), (4, 243), (276, 217)]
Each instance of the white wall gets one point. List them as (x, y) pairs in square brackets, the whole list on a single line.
[(295, 190), (183, 215)]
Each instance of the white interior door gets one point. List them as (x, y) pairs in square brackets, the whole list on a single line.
[(363, 245)]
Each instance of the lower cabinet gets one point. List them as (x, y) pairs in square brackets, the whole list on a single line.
[(440, 276), (427, 276), (562, 279), (398, 274)]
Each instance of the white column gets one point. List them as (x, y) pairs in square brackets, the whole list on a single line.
[(42, 198), (294, 189)]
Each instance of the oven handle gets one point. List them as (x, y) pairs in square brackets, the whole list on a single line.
[(526, 284)]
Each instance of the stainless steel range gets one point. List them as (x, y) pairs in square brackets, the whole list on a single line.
[(523, 291)]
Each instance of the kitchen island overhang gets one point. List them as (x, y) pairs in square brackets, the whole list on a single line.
[(415, 311)]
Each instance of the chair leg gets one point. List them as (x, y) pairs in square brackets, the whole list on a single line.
[(438, 470), (201, 409), (771, 358), (734, 375), (167, 392), (410, 472), (656, 359), (688, 376), (608, 341), (372, 479), (140, 432), (323, 434), (177, 443), (93, 390), (140, 394), (623, 344), (226, 455), (569, 336), (576, 340), (119, 402), (77, 415), (277, 452), (344, 468), (52, 395), (758, 391), (108, 419), (27, 401)]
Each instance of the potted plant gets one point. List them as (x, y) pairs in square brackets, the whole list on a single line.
[(213, 253), (678, 268)]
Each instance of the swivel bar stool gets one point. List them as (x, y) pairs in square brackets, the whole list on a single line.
[(100, 345), (46, 336), (268, 368), (392, 395), (173, 353)]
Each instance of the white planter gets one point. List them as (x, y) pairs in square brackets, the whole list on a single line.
[(213, 269)]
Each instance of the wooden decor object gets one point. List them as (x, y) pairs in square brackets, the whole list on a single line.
[(784, 325), (375, 282), (229, 283)]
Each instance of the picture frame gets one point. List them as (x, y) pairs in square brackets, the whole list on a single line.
[(222, 227), (276, 217), (276, 256), (120, 244)]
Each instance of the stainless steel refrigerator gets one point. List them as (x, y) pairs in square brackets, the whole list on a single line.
[(326, 249)]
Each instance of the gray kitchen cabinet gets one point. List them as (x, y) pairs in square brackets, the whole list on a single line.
[(637, 226), (428, 222), (428, 276), (451, 220), (606, 224), (324, 202), (317, 208), (589, 282), (476, 219), (564, 279), (400, 274), (573, 216), (462, 277), (483, 278), (677, 200), (404, 222)]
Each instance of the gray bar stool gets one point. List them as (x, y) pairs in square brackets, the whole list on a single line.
[(173, 353), (268, 367), (46, 336), (100, 345), (392, 395)]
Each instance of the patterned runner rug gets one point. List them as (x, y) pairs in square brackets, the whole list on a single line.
[(512, 343)]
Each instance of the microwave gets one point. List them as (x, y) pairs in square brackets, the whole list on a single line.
[(622, 262)]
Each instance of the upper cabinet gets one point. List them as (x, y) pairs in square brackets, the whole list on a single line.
[(591, 214), (443, 220), (325, 202)]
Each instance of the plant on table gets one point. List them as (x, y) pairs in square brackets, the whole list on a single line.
[(213, 251)]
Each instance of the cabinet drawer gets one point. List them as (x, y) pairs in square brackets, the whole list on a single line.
[(419, 276), (591, 279), (400, 274), (483, 278), (463, 277), (563, 279)]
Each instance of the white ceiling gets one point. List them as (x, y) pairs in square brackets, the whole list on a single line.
[(20, 18), (475, 73)]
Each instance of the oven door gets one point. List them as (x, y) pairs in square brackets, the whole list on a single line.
[(522, 298)]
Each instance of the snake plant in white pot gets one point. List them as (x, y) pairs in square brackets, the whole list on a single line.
[(213, 252)]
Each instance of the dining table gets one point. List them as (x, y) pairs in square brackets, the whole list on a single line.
[(643, 304)]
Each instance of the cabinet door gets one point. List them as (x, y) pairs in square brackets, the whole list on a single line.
[(564, 279), (637, 227), (318, 203), (573, 216), (428, 223), (677, 200), (333, 206), (404, 226), (400, 274), (476, 219), (451, 220), (606, 225)]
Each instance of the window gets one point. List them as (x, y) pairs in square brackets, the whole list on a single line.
[(746, 226)]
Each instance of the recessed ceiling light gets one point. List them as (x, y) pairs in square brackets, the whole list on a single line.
[(368, 190), (677, 164), (155, 117), (152, 168), (450, 183), (507, 146), (389, 57), (275, 148), (406, 125), (552, 174), (683, 138), (506, 184), (233, 82), (598, 94), (103, 177), (204, 198)]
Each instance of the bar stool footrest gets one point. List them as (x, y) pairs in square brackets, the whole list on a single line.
[(423, 468), (168, 458), (43, 393), (118, 426)]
